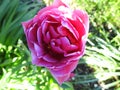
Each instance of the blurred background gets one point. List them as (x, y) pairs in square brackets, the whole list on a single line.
[(98, 69)]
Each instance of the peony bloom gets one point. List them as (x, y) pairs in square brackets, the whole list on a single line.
[(56, 37)]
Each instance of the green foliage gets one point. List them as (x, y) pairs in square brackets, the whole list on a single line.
[(99, 69), (105, 62), (11, 16), (18, 73), (104, 17)]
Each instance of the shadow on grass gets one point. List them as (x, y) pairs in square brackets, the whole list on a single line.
[(85, 79), (96, 71)]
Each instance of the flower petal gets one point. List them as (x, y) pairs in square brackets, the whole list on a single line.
[(53, 33), (56, 48), (56, 37), (63, 74), (58, 3), (49, 58), (65, 42), (39, 50), (71, 29), (40, 61), (32, 33), (63, 70), (26, 24), (39, 35), (84, 17), (61, 79)]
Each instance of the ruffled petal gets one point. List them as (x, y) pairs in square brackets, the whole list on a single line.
[(32, 33), (65, 42), (61, 79), (53, 32), (71, 29), (40, 61), (56, 4), (56, 48), (49, 58), (39, 50), (26, 24), (62, 74), (39, 36), (84, 18)]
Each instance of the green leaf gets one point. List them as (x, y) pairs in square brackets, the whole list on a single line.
[(67, 86)]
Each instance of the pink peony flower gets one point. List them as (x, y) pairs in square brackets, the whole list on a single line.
[(56, 37)]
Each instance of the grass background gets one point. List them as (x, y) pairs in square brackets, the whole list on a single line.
[(98, 69)]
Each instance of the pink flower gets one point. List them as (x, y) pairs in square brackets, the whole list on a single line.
[(56, 37)]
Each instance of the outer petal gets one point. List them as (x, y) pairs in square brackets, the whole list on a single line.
[(84, 17), (63, 74), (39, 61), (56, 4), (61, 79), (26, 24), (32, 33)]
